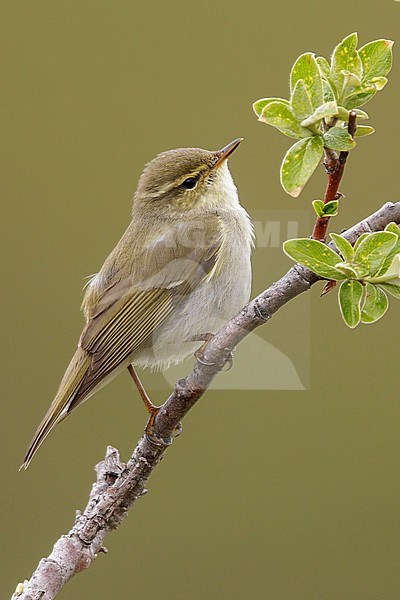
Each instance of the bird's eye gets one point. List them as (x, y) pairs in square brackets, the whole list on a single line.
[(189, 183)]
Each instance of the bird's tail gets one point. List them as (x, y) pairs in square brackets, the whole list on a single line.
[(69, 385)]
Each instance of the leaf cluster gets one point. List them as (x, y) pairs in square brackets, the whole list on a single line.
[(321, 96), (367, 271)]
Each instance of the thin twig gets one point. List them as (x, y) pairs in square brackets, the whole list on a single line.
[(334, 166), (119, 485)]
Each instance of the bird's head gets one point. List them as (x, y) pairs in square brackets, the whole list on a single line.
[(187, 178)]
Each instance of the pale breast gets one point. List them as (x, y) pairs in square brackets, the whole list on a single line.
[(211, 304)]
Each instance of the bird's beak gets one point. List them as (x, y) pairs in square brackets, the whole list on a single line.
[(223, 154)]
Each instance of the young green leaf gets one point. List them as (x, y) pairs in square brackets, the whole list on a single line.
[(394, 271), (325, 111), (327, 92), (361, 114), (374, 249), (375, 305), (391, 275), (361, 270), (362, 237), (361, 96), (344, 247), (379, 82), (347, 270), (299, 163), (259, 105), (338, 139), (279, 115), (388, 263), (314, 255), (318, 207), (376, 58), (306, 68), (394, 290), (301, 101), (343, 114), (331, 208), (350, 296), (363, 130), (324, 66), (345, 58), (350, 84), (394, 228)]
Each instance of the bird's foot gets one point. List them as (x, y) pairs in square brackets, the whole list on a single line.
[(153, 410), (199, 354), (149, 429)]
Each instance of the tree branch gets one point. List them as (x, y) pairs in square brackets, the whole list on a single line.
[(119, 485)]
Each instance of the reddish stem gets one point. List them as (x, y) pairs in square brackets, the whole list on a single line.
[(334, 166)]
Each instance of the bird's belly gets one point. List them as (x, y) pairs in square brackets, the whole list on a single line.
[(207, 308)]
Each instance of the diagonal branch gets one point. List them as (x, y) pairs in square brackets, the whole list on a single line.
[(119, 485)]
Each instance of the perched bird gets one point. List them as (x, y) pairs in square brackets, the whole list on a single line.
[(181, 267)]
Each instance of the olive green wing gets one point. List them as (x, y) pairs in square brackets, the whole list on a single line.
[(137, 288), (129, 311)]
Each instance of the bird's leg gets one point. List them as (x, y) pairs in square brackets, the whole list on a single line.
[(199, 354), (152, 409)]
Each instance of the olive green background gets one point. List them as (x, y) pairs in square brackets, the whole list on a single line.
[(267, 494)]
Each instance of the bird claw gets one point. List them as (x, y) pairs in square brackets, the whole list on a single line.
[(149, 430), (155, 439), (199, 354)]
